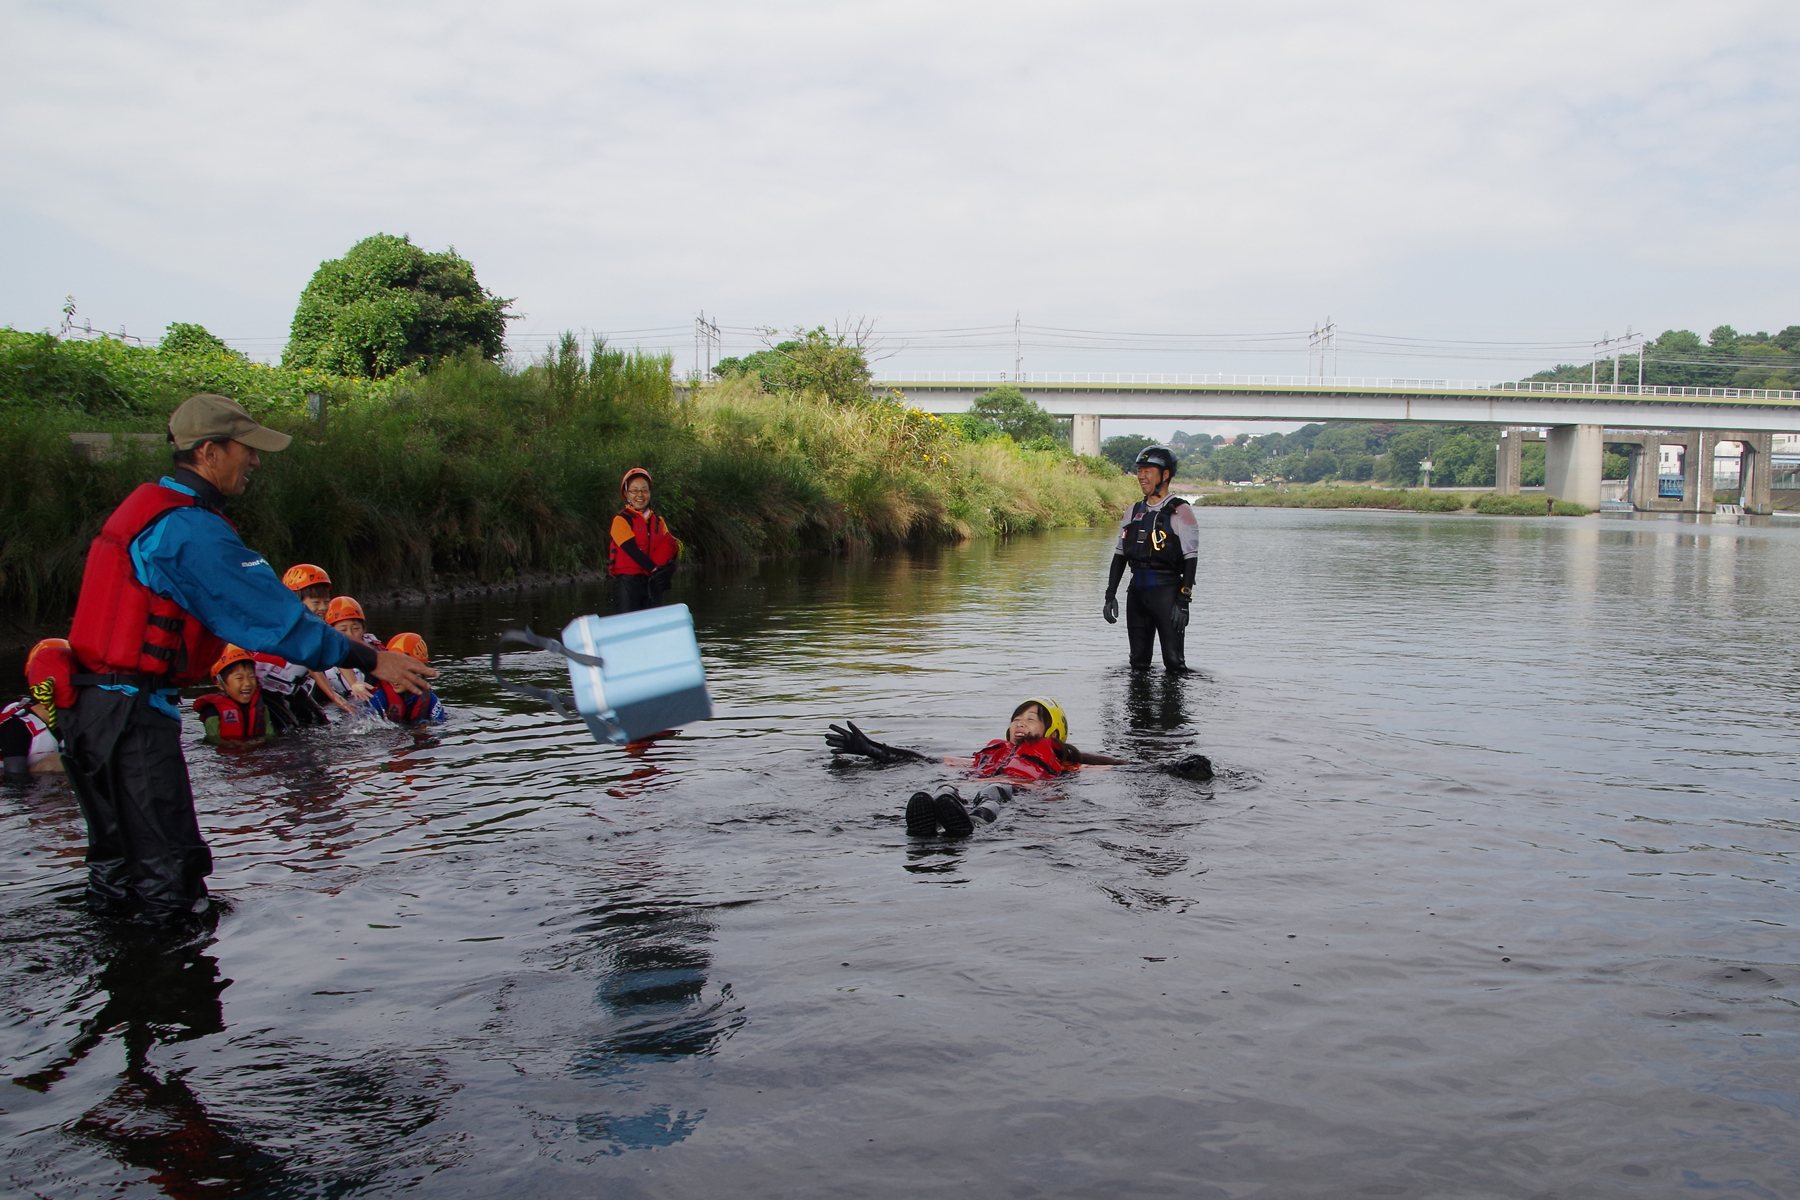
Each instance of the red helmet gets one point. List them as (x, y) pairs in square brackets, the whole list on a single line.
[(343, 608), (629, 475), (408, 643), (48, 669), (304, 575), (233, 654)]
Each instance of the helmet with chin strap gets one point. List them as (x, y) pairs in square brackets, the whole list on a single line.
[(1157, 456), (1056, 722)]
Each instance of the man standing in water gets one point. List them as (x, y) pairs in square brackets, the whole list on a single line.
[(1159, 539), (168, 582)]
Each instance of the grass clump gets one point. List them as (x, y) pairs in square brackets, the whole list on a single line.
[(1407, 499), (1495, 505)]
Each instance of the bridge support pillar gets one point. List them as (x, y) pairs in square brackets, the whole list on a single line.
[(1753, 473), (1646, 463), (1572, 461), (1085, 434), (1508, 459)]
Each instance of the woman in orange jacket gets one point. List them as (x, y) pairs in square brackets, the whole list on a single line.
[(642, 551)]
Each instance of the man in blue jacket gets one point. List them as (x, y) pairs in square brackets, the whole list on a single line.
[(168, 582)]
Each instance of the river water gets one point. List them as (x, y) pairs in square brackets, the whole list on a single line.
[(1493, 897)]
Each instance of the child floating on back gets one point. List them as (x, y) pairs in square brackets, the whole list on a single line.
[(1034, 749), (405, 708), (236, 712)]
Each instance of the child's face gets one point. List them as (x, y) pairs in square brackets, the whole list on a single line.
[(350, 627), (317, 598), (1028, 724), (239, 681)]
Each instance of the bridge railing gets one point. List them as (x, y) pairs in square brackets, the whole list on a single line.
[(1314, 383)]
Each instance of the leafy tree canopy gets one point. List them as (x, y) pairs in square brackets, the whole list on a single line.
[(388, 304), (1125, 448), (1007, 407), (183, 338), (833, 365)]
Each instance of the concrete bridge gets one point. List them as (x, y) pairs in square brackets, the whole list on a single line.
[(1580, 419)]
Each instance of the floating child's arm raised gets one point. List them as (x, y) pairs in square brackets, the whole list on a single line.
[(854, 741)]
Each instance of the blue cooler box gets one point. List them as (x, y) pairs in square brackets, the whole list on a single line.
[(652, 680)]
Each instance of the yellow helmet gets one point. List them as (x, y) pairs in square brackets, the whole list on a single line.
[(1058, 724)]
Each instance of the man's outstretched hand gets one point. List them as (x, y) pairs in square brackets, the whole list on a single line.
[(852, 740), (405, 672)]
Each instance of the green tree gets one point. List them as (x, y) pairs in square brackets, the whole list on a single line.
[(1125, 448), (183, 338), (833, 365), (1008, 407), (1231, 464), (388, 304)]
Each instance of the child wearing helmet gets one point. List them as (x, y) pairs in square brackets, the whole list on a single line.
[(236, 712), (1034, 749), (402, 708), (286, 690), (29, 744), (345, 615)]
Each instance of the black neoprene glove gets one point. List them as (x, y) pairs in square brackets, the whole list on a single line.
[(1193, 766), (1184, 595), (854, 741), (1110, 610)]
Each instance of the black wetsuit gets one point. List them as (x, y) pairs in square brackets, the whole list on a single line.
[(1162, 580)]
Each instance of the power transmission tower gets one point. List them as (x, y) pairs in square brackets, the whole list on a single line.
[(708, 343), (1018, 350), (1323, 341)]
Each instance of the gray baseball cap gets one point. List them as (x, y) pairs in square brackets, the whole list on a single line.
[(207, 417)]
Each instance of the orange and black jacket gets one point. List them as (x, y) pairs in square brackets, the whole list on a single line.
[(641, 543)]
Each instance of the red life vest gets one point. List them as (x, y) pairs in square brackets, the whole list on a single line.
[(652, 536), (236, 721), (122, 627), (406, 708), (1034, 758)]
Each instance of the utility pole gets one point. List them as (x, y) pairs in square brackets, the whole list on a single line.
[(1018, 350)]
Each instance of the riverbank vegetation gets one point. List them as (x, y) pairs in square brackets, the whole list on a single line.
[(1401, 499), (485, 470)]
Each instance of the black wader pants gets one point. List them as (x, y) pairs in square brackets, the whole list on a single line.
[(144, 845), (292, 710), (632, 592), (1150, 616)]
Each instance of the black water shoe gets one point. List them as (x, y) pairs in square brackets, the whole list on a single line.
[(953, 816), (921, 816)]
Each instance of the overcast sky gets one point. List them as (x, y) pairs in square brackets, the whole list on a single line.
[(1511, 172)]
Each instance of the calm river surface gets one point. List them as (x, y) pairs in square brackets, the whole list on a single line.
[(1494, 897)]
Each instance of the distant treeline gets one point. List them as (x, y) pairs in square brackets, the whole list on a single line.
[(1360, 451), (1678, 358)]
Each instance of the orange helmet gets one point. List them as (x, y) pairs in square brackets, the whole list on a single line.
[(630, 475), (233, 654), (37, 651), (343, 608), (408, 643), (48, 670), (304, 575)]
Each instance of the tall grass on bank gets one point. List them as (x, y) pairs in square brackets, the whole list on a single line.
[(1407, 499), (478, 471)]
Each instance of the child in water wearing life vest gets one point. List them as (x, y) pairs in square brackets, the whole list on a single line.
[(345, 615), (236, 712), (1034, 749), (29, 743), (292, 692), (407, 708)]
